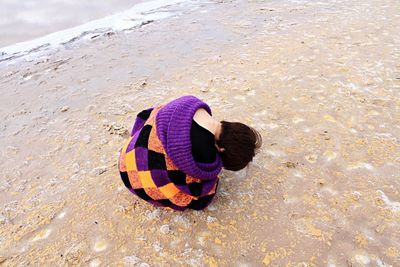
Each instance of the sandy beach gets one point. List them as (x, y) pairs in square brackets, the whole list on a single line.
[(319, 79)]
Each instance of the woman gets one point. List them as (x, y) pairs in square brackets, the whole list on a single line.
[(177, 150)]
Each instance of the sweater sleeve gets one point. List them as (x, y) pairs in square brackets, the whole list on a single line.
[(141, 120), (173, 122)]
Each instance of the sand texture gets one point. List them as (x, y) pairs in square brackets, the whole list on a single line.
[(321, 82)]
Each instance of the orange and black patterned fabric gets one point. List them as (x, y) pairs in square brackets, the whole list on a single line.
[(148, 172)]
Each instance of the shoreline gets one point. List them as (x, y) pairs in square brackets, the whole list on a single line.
[(322, 90), (133, 18)]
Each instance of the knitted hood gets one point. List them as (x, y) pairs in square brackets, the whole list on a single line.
[(173, 122)]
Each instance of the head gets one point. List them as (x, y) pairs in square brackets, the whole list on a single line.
[(237, 144)]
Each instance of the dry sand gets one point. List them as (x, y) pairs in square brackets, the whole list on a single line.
[(321, 82)]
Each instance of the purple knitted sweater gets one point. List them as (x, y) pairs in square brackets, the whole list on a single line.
[(174, 121)]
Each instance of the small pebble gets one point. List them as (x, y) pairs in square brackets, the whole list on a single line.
[(290, 164), (64, 109), (61, 215), (99, 170), (3, 219), (100, 246), (131, 260), (212, 208), (90, 107), (165, 229), (104, 141), (157, 246), (329, 155), (75, 167), (152, 215), (86, 139), (362, 259), (296, 120), (312, 158), (211, 219), (12, 149), (95, 263)]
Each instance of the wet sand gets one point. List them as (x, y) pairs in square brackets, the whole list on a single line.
[(319, 80)]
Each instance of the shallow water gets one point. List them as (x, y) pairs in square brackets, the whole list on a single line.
[(25, 20), (322, 89)]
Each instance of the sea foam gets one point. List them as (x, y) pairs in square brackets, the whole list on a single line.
[(139, 14)]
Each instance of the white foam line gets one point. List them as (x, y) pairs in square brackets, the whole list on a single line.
[(120, 21)]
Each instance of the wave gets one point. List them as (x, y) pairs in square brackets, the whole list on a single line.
[(137, 16)]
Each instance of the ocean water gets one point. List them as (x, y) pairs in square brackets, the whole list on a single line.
[(31, 26), (25, 20)]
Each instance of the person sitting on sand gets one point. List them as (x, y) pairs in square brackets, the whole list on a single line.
[(177, 150)]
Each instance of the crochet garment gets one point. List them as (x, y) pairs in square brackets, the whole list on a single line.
[(156, 164)]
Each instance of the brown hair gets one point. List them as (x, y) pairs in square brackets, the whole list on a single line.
[(239, 143)]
